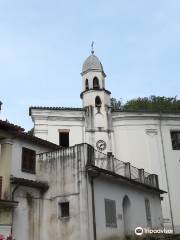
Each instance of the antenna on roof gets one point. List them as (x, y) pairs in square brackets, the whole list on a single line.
[(92, 47)]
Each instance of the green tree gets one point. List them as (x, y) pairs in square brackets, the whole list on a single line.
[(31, 132), (116, 104), (151, 104)]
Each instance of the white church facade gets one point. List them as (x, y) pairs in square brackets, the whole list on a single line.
[(146, 140)]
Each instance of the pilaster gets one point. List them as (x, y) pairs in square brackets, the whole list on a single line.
[(5, 169)]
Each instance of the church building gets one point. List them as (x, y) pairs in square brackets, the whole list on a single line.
[(149, 140), (89, 173)]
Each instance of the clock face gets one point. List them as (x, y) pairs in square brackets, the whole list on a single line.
[(101, 145)]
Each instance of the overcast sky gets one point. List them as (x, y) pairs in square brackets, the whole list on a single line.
[(43, 44)]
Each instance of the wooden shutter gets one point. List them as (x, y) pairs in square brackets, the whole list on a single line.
[(28, 160)]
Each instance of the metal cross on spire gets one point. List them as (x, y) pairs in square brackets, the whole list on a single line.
[(92, 47)]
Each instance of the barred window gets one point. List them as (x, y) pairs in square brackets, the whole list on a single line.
[(28, 160), (175, 139), (148, 212), (64, 209), (110, 213)]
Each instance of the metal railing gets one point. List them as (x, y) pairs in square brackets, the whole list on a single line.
[(102, 161), (125, 169)]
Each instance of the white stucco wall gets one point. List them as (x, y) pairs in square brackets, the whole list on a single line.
[(89, 97), (47, 124), (105, 188), (27, 213), (90, 75), (172, 159), (67, 182), (26, 217), (16, 162), (137, 139)]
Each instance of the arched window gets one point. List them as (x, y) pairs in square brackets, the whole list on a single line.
[(96, 83), (98, 101), (86, 85)]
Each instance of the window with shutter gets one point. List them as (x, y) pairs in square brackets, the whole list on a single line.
[(110, 213), (28, 160)]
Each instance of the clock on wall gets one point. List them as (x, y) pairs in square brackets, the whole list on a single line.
[(101, 145)]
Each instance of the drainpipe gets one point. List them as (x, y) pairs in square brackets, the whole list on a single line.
[(93, 207), (92, 174), (165, 167)]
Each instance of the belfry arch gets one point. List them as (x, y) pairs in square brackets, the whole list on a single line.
[(96, 83), (98, 102), (86, 84)]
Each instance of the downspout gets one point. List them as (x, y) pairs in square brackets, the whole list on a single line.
[(165, 167), (93, 207), (92, 174)]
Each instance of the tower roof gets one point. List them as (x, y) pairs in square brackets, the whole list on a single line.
[(92, 63)]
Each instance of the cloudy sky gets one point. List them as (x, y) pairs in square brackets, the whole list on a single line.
[(43, 44)]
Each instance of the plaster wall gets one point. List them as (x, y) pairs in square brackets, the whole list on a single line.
[(90, 75), (113, 190), (17, 157), (65, 174), (89, 97), (145, 141), (47, 125), (5, 162), (27, 215)]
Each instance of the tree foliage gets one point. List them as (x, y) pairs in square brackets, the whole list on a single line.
[(151, 104), (31, 132), (116, 104)]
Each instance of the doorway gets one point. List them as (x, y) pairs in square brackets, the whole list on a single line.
[(127, 215)]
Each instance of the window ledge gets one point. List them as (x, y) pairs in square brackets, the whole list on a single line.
[(64, 219), (27, 171), (111, 226)]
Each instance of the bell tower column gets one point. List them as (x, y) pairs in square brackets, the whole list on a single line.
[(97, 103)]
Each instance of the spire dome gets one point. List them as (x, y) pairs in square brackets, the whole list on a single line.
[(92, 63)]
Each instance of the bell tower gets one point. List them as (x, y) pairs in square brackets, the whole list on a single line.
[(97, 104)]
